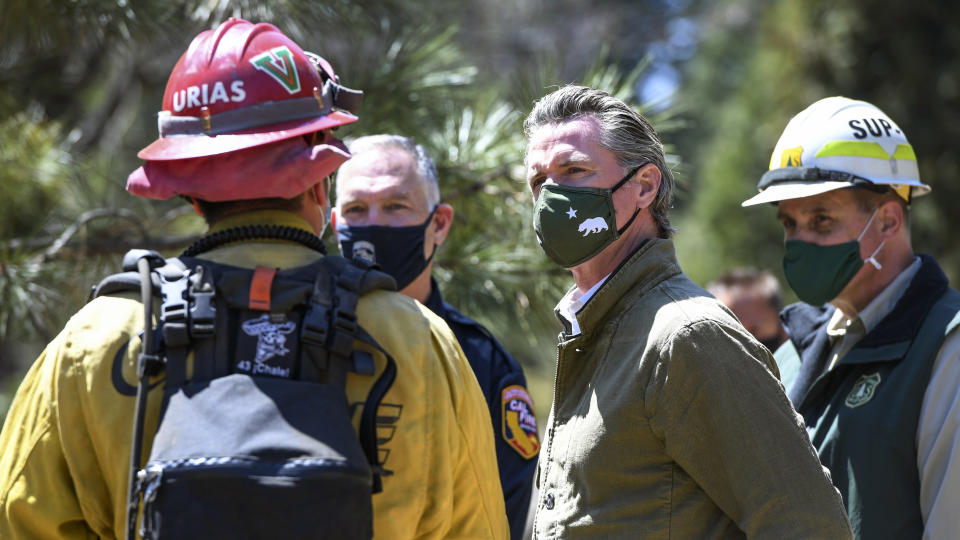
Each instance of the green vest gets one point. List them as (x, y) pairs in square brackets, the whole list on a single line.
[(862, 415)]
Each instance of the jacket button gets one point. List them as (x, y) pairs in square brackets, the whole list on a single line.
[(548, 501)]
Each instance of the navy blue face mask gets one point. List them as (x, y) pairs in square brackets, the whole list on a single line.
[(397, 250)]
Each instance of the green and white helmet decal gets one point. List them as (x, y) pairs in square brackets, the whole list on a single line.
[(838, 143), (278, 64)]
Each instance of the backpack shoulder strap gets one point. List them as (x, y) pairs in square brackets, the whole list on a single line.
[(129, 280), (330, 323), (148, 363), (368, 277), (329, 330)]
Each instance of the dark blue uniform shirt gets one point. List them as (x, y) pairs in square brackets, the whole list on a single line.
[(504, 386)]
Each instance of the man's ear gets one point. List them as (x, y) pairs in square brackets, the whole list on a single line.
[(320, 193), (648, 181), (442, 220), (333, 218), (890, 216)]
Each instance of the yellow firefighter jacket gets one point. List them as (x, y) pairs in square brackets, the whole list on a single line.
[(65, 445)]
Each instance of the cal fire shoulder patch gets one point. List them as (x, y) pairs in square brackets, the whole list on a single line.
[(519, 422)]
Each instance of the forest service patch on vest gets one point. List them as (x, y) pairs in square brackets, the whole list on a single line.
[(863, 390), (519, 422)]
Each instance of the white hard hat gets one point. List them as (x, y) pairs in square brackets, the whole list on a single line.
[(839, 143)]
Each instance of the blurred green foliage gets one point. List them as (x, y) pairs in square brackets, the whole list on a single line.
[(759, 63), (33, 172)]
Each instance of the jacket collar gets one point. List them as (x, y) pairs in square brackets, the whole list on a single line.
[(269, 252), (803, 323), (448, 313), (261, 217), (435, 301), (652, 262), (908, 314)]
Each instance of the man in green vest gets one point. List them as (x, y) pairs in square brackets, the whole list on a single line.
[(873, 359), (667, 420)]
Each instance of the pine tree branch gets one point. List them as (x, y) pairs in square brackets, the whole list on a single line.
[(85, 218), (60, 247)]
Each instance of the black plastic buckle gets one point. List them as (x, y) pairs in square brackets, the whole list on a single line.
[(345, 327), (149, 365), (363, 363), (203, 314), (203, 311), (377, 477), (314, 329), (174, 313)]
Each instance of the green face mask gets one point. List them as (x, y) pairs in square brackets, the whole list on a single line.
[(818, 273), (575, 223)]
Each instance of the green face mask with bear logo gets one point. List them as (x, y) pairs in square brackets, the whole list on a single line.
[(575, 223)]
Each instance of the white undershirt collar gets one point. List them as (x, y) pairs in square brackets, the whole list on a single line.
[(573, 302)]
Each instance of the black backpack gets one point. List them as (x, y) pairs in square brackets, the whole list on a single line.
[(255, 438)]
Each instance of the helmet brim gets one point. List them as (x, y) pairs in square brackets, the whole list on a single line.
[(195, 146), (793, 190)]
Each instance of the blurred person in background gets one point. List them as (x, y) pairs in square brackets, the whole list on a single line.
[(754, 296), (873, 357)]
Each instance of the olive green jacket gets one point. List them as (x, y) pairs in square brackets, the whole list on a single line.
[(668, 421)]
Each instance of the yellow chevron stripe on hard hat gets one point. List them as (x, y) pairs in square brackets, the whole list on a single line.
[(867, 149), (904, 151)]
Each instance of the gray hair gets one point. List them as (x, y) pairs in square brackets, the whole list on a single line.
[(426, 170), (624, 132)]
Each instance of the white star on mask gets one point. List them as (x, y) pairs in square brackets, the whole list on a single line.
[(572, 213)]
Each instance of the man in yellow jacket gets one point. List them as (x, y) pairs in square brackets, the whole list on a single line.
[(244, 136)]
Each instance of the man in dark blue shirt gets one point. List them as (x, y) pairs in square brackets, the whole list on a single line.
[(388, 211)]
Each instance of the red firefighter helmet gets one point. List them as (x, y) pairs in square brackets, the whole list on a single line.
[(234, 110), (244, 85)]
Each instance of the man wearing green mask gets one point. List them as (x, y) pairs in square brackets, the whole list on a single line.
[(667, 418), (873, 359)]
